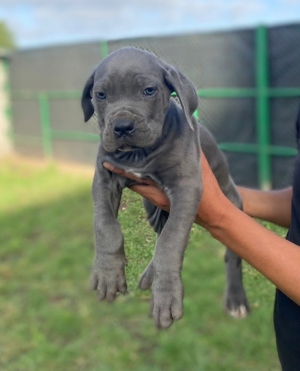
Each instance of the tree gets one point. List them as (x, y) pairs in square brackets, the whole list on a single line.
[(6, 37)]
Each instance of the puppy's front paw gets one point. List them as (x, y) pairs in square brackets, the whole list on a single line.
[(108, 278), (167, 298)]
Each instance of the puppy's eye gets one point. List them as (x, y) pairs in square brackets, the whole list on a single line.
[(149, 91), (100, 95)]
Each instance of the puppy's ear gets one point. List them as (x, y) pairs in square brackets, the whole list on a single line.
[(185, 91), (86, 99)]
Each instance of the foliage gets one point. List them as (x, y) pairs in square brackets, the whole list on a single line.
[(49, 320), (6, 37)]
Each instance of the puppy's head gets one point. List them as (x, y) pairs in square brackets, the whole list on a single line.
[(130, 92)]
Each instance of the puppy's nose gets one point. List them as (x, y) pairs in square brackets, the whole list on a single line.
[(123, 128)]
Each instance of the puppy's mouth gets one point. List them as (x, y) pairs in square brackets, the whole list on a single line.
[(127, 148)]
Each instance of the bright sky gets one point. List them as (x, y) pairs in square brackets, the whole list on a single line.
[(45, 22)]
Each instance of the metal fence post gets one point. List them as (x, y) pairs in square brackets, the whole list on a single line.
[(104, 49), (46, 124), (262, 108)]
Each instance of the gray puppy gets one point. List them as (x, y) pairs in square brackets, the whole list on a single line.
[(145, 132)]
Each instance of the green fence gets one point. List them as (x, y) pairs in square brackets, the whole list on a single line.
[(262, 93)]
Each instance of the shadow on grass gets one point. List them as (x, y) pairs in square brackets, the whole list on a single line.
[(49, 320)]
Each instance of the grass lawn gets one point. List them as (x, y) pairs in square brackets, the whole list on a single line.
[(50, 320)]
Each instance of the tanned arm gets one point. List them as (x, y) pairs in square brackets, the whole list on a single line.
[(276, 258), (273, 206)]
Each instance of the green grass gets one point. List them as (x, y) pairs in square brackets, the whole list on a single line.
[(50, 320)]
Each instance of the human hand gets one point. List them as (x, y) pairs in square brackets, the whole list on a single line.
[(147, 187), (213, 202), (211, 207)]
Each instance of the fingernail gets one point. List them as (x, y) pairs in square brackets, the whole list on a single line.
[(108, 166)]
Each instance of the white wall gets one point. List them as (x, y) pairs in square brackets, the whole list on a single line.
[(5, 143)]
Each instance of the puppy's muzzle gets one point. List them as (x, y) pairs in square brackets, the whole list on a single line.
[(123, 128)]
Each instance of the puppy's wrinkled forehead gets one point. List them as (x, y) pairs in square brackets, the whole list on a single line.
[(130, 64)]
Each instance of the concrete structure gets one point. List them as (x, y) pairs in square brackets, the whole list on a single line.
[(5, 137)]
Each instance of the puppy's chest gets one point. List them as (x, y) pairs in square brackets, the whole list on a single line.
[(137, 162), (142, 166)]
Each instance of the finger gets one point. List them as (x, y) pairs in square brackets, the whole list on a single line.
[(126, 174), (114, 169), (153, 194)]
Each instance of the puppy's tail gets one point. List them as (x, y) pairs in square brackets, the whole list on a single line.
[(157, 218)]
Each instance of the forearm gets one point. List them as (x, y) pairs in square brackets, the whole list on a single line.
[(276, 258), (272, 206)]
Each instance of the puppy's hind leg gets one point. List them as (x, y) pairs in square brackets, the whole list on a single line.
[(157, 219), (236, 303)]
